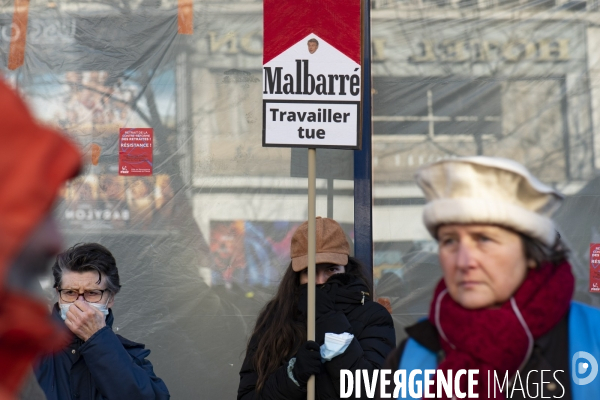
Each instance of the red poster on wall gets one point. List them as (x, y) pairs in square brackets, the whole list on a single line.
[(135, 151), (595, 267)]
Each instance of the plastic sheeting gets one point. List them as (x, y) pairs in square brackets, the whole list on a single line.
[(508, 79), (202, 242)]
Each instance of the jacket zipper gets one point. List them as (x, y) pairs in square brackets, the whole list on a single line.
[(362, 302)]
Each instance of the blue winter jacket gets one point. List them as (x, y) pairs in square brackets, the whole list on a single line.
[(105, 367)]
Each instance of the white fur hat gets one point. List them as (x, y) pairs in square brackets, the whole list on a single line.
[(487, 190)]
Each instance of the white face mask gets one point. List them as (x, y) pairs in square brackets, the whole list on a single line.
[(63, 310), (102, 307)]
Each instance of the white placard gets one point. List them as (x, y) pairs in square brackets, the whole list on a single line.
[(310, 124)]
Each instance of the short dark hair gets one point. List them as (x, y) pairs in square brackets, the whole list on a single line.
[(84, 257), (313, 40), (541, 253)]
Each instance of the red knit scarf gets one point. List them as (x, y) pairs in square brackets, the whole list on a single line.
[(500, 339)]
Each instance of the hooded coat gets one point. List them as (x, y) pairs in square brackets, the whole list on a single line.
[(35, 161), (374, 338)]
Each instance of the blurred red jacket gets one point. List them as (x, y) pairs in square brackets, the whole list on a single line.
[(35, 161)]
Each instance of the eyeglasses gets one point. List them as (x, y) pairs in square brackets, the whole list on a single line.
[(91, 296)]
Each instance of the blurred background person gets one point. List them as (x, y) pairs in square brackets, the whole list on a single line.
[(97, 364), (279, 360), (504, 303), (34, 163)]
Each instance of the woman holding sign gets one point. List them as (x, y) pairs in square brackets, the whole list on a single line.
[(352, 332), (503, 307)]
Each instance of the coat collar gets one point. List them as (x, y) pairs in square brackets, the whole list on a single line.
[(347, 289)]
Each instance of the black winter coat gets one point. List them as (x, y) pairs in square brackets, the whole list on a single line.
[(374, 338), (105, 367)]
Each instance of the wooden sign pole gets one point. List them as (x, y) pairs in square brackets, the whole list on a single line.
[(312, 244)]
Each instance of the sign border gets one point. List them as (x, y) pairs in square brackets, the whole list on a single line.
[(315, 146)]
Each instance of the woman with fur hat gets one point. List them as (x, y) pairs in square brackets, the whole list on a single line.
[(504, 304), (352, 332)]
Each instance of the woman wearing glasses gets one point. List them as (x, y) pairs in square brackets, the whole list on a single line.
[(97, 364)]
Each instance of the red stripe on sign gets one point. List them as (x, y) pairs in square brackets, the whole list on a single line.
[(288, 21)]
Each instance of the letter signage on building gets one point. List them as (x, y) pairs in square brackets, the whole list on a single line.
[(312, 75)]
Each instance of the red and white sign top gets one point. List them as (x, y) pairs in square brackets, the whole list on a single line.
[(287, 22)]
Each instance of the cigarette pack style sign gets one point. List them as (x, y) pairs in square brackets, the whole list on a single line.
[(312, 76), (135, 151), (595, 267)]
